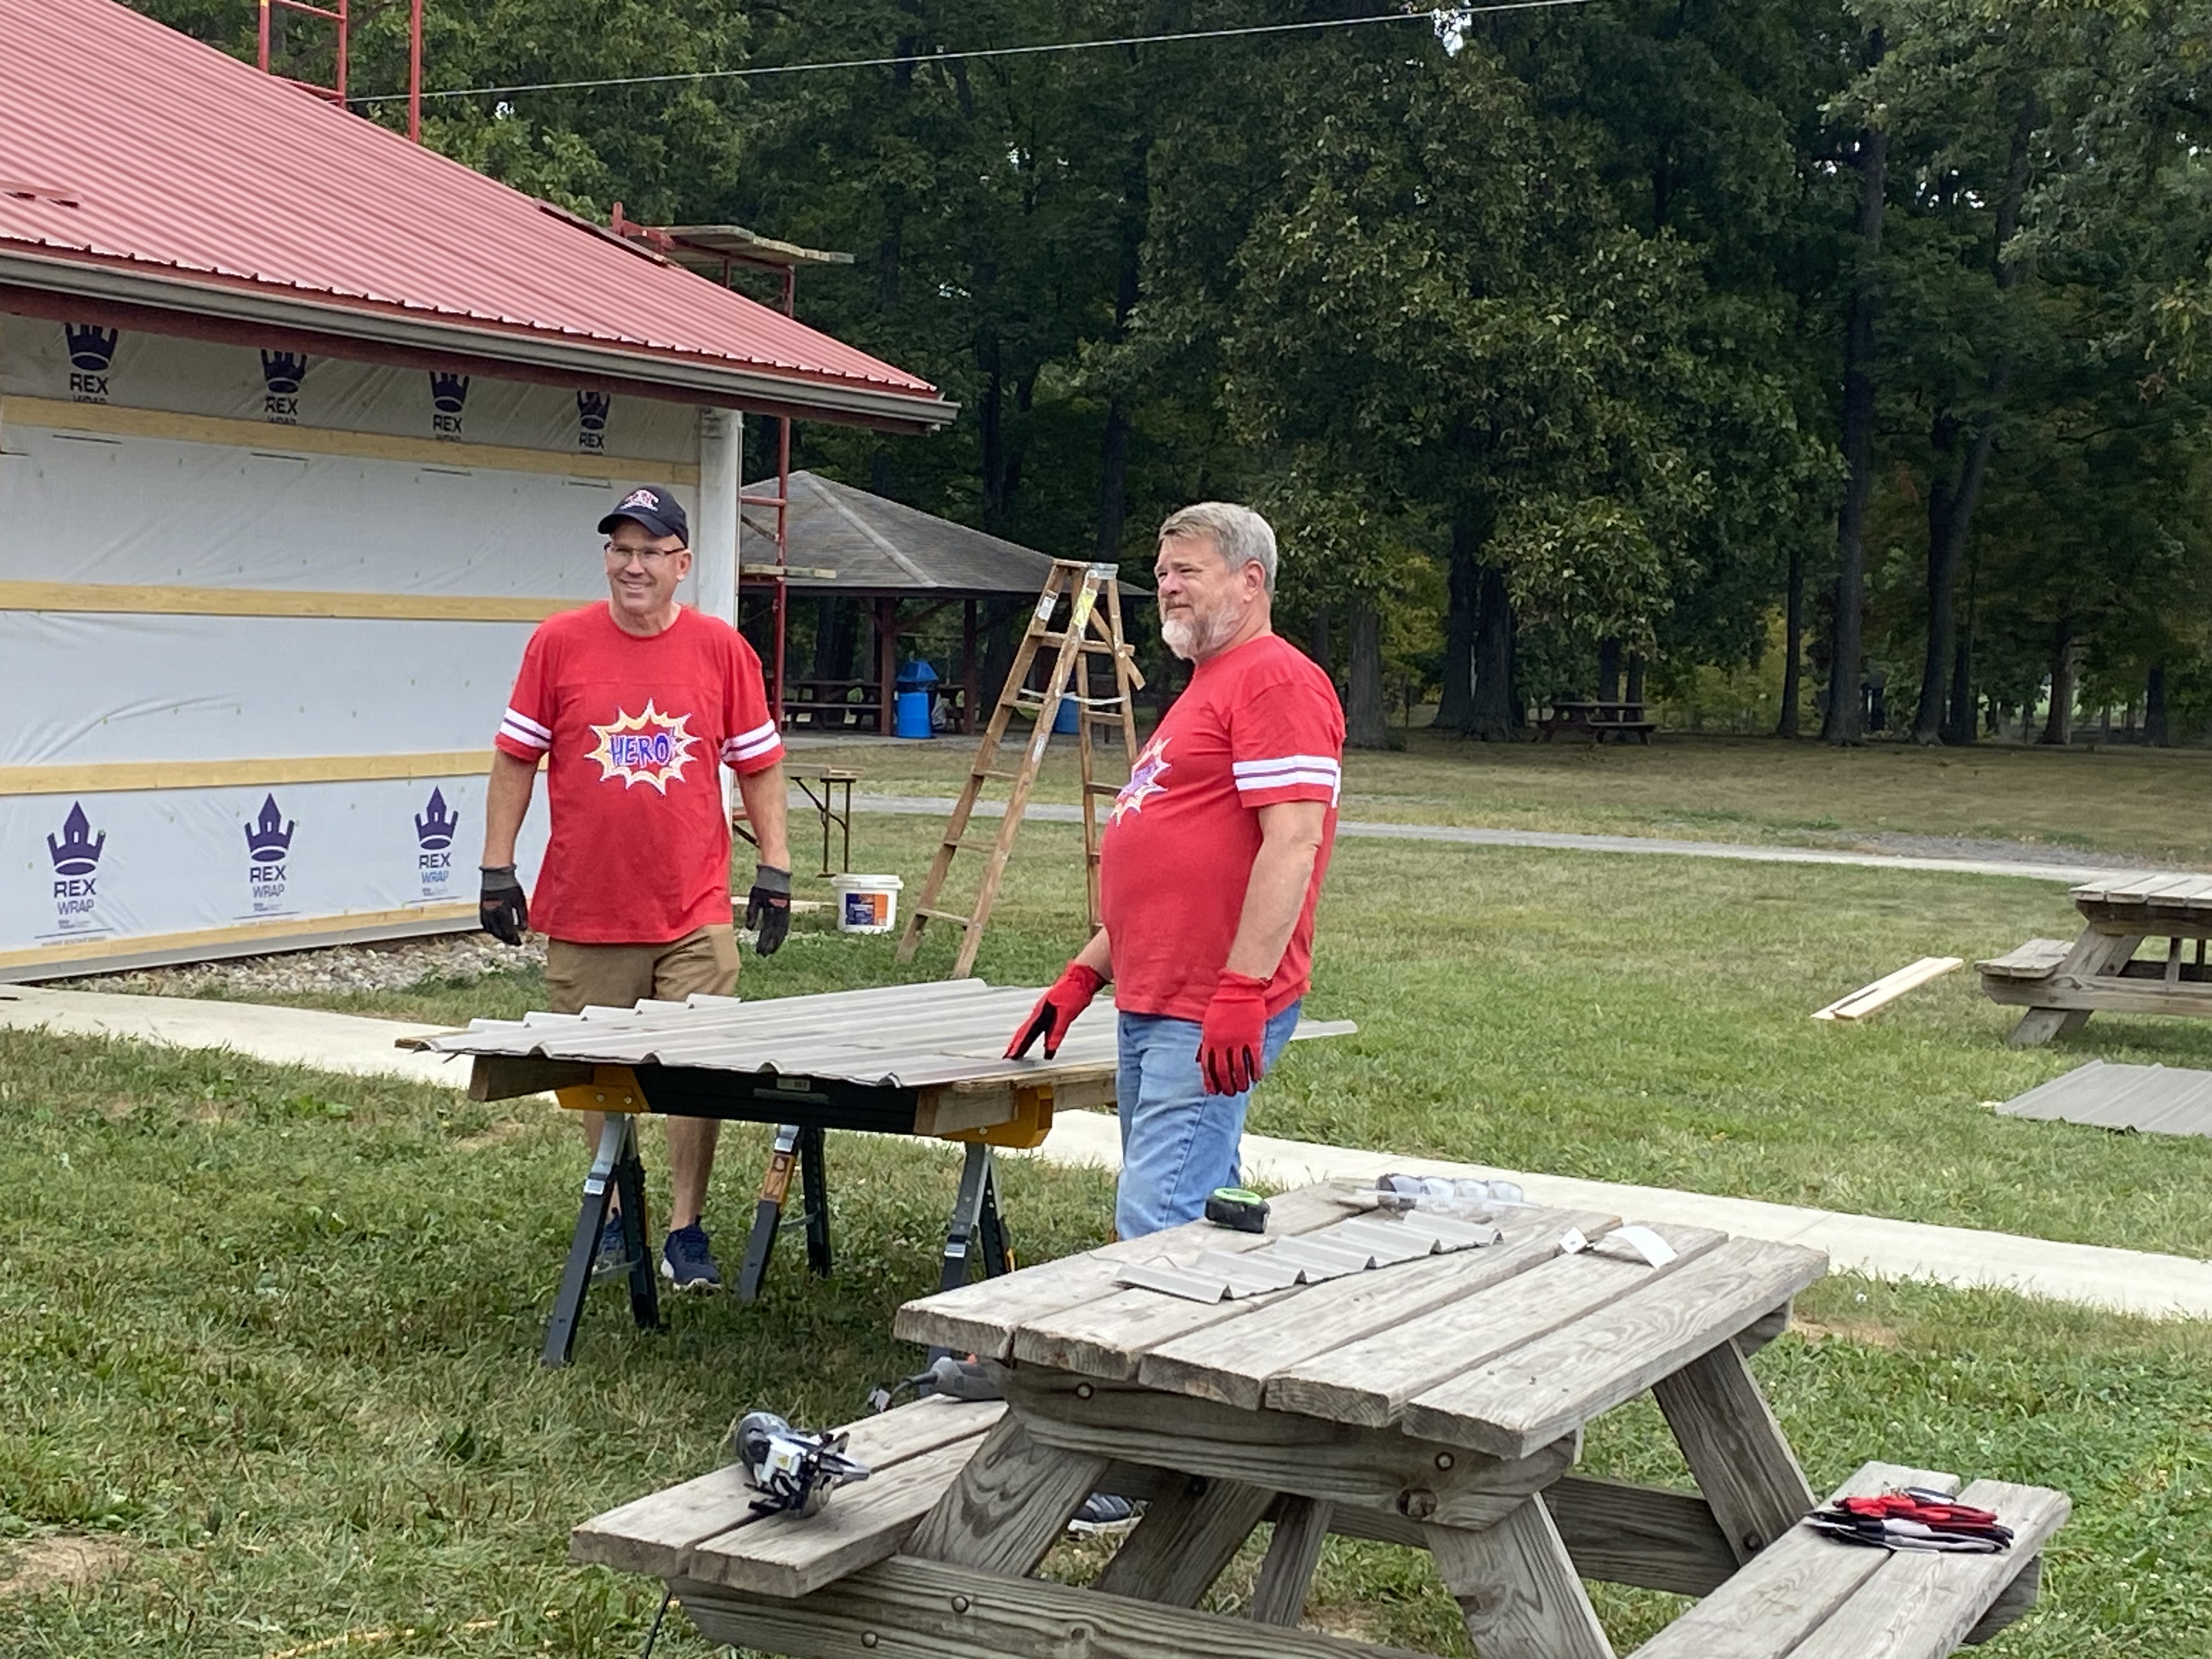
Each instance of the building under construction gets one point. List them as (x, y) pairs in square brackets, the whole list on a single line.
[(299, 438)]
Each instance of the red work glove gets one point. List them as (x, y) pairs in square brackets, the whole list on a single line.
[(1055, 1010), (1232, 1043)]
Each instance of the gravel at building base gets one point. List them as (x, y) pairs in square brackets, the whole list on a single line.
[(390, 966)]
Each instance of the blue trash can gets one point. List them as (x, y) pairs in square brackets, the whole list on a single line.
[(910, 717), (1070, 712)]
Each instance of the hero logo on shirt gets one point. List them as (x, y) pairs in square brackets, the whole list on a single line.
[(1144, 779), (649, 748)]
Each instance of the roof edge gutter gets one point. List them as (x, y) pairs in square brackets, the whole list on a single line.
[(644, 373)]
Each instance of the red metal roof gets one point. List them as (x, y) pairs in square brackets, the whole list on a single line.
[(180, 170)]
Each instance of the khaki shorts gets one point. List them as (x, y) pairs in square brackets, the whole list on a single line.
[(619, 975)]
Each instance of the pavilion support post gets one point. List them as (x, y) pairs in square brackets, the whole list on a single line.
[(887, 661)]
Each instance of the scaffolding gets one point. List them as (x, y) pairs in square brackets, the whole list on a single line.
[(339, 15)]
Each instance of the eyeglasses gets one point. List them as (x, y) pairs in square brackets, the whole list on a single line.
[(651, 558)]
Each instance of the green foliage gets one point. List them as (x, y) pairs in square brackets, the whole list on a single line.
[(1562, 290)]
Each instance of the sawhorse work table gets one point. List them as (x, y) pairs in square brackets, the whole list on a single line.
[(902, 1060)]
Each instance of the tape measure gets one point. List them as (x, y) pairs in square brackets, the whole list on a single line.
[(1237, 1207)]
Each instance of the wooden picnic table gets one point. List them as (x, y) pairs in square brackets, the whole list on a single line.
[(1595, 719), (1438, 1404), (2062, 984)]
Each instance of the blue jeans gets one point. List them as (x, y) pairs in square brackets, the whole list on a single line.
[(1178, 1143)]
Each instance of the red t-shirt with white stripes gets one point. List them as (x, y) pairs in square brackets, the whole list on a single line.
[(1258, 723), (633, 731)]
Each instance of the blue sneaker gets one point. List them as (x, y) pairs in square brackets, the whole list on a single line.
[(615, 1258), (686, 1263)]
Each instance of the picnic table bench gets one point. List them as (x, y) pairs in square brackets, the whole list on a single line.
[(2062, 984), (1437, 1404), (1595, 721)]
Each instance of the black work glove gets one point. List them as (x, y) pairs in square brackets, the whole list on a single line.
[(768, 909), (505, 911)]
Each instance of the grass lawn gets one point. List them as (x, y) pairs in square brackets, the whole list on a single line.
[(268, 1344), (2139, 802), (1642, 1019)]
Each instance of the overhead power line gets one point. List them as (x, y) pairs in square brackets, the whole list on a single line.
[(1442, 18)]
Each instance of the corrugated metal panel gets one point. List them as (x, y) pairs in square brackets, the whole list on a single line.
[(879, 546), (2155, 1099), (895, 1035), (175, 157)]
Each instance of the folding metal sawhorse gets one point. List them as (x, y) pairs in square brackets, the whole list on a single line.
[(975, 1233)]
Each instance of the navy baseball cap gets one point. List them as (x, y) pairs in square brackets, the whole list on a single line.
[(657, 509)]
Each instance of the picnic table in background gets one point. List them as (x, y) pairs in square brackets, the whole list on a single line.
[(1595, 720), (1437, 1404), (2061, 985)]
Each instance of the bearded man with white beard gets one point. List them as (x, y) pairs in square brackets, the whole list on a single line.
[(1210, 870)]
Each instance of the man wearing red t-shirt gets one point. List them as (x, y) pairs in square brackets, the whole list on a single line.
[(1209, 872), (635, 706)]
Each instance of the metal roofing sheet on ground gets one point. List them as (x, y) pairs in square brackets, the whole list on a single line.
[(126, 144), (2156, 1099), (895, 1035)]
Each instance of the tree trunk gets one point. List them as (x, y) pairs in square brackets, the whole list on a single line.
[(1960, 727), (1843, 723), (1318, 643), (2156, 733), (2058, 726), (1113, 482), (1608, 671), (1113, 451), (1951, 506), (1455, 703), (1366, 725), (1636, 679), (998, 467), (1793, 635), (1492, 716)]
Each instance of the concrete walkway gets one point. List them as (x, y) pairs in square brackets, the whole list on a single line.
[(2133, 1281), (938, 806)]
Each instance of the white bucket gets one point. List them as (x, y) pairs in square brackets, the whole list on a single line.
[(867, 904)]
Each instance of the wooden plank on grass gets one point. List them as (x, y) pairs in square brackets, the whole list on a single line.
[(1233, 1363), (1369, 1381), (1528, 1398), (1887, 989), (655, 1534)]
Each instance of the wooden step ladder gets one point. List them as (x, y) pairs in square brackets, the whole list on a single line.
[(1091, 628)]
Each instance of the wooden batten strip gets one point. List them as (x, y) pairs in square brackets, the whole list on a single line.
[(92, 950), (118, 598), (107, 777), (111, 419)]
